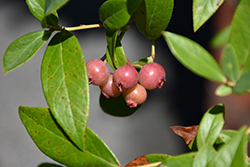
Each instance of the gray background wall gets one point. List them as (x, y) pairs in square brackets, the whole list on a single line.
[(147, 131)]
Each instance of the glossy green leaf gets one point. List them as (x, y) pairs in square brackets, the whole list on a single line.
[(111, 37), (210, 126), (114, 14), (156, 157), (119, 57), (37, 8), (232, 154), (23, 48), (223, 90), (115, 53), (240, 33), (65, 85), (180, 160), (53, 142), (51, 6), (221, 38), (229, 63), (194, 57), (203, 10), (152, 17), (116, 106), (204, 156), (243, 84)]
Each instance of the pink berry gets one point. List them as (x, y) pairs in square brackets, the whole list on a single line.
[(135, 96), (125, 77), (98, 72), (109, 89), (152, 75)]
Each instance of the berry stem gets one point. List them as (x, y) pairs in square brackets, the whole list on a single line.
[(80, 27), (83, 27), (153, 49)]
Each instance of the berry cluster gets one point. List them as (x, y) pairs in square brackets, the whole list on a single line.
[(125, 80)]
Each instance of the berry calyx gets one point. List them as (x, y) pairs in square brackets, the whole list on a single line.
[(135, 96), (109, 89), (152, 75), (98, 72), (125, 77)]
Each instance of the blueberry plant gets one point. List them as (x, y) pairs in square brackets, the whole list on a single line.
[(61, 131)]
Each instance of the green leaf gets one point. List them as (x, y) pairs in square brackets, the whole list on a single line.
[(114, 14), (53, 142), (116, 106), (65, 85), (203, 10), (225, 136), (240, 33), (152, 17), (229, 63), (194, 57), (232, 154), (23, 48), (204, 156), (111, 37), (36, 7), (223, 90), (210, 126), (243, 84), (180, 160), (142, 62), (119, 57), (115, 53), (51, 6), (221, 38), (156, 157)]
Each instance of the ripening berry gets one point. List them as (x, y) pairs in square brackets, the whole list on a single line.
[(98, 72), (152, 75), (109, 89), (125, 77), (135, 96)]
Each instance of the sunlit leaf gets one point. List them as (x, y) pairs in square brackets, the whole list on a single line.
[(203, 10), (210, 126), (37, 8), (65, 85), (53, 142), (139, 63), (240, 33), (230, 63), (152, 17), (181, 160), (194, 57), (223, 90), (51, 6), (204, 156), (23, 48), (233, 153), (114, 14)]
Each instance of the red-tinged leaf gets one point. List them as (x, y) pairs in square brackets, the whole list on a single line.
[(187, 133), (142, 160)]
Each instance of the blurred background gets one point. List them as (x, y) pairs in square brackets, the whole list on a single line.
[(182, 100)]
